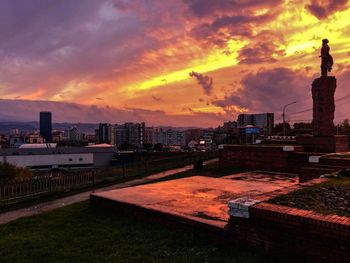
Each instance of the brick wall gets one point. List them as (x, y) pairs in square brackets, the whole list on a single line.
[(261, 157), (325, 144), (281, 229)]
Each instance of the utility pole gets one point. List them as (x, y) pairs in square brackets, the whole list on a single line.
[(284, 116)]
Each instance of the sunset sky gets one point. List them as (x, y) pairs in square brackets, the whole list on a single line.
[(181, 63)]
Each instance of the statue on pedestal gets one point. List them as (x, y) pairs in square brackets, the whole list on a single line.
[(326, 58), (324, 138)]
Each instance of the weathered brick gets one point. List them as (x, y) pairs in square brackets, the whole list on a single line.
[(291, 230)]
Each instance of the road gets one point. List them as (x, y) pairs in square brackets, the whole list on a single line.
[(62, 202)]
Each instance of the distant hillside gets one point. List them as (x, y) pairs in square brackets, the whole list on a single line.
[(5, 127), (62, 112)]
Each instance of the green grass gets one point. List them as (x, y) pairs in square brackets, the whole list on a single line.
[(78, 233), (332, 197)]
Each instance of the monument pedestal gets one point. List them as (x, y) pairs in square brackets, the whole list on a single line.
[(324, 139), (323, 90)]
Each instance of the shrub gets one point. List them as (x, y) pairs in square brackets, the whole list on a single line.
[(10, 173)]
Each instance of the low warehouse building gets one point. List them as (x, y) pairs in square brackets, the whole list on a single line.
[(68, 157)]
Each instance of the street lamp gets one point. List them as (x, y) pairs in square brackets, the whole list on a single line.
[(284, 115)]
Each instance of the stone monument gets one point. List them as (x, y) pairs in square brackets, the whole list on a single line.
[(323, 90), (324, 138)]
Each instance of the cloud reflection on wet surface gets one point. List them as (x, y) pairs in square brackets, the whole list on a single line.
[(200, 198)]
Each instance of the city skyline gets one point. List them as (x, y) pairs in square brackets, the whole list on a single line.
[(168, 62)]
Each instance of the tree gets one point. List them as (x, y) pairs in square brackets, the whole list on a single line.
[(147, 146), (10, 173), (158, 147), (345, 124), (127, 147), (344, 127), (303, 128), (278, 129), (231, 139)]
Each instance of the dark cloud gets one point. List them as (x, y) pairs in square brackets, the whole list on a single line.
[(225, 28), (71, 42), (59, 39), (204, 8), (225, 19), (324, 8), (156, 98), (36, 28), (262, 48), (205, 81), (269, 90), (190, 110)]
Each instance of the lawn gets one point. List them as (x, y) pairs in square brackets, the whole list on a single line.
[(332, 197), (78, 233)]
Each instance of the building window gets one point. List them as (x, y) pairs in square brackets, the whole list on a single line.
[(80, 159), (70, 159)]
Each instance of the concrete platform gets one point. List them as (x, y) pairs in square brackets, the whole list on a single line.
[(195, 200)]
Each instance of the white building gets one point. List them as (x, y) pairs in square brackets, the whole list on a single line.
[(69, 157), (170, 137)]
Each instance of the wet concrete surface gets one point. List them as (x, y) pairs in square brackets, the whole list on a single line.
[(62, 202), (283, 179), (200, 198)]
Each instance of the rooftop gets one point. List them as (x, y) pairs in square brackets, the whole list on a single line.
[(198, 199)]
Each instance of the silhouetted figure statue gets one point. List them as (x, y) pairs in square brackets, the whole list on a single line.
[(326, 58)]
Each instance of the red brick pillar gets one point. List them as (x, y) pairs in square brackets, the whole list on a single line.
[(324, 139), (323, 90)]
